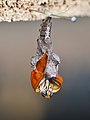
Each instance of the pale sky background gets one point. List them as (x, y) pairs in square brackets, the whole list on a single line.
[(71, 42)]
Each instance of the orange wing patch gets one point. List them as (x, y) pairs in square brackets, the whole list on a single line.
[(59, 79), (41, 64), (38, 74)]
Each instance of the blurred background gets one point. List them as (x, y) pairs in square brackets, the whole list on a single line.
[(71, 42)]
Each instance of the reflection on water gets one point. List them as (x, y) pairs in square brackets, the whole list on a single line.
[(18, 44)]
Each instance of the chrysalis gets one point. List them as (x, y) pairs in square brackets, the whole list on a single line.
[(44, 76)]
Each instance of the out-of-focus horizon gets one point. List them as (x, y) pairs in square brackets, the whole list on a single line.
[(71, 41)]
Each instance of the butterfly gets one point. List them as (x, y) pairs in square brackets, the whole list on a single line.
[(43, 84), (44, 76)]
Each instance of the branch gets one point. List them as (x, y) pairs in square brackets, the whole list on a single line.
[(27, 10)]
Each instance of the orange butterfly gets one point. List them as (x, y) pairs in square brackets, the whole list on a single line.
[(38, 79), (45, 78)]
